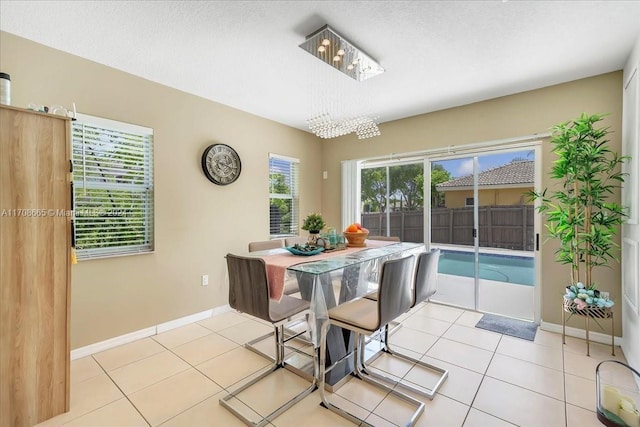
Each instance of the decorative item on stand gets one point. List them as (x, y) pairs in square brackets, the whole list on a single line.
[(579, 214), (313, 223), (579, 297)]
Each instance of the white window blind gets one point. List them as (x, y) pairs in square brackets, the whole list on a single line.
[(113, 187), (283, 195)]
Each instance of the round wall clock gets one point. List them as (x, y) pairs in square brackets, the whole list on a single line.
[(221, 164)]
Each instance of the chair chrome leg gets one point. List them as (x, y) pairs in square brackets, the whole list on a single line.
[(279, 345), (395, 326), (367, 377), (287, 335), (358, 356), (322, 371), (429, 394), (269, 418), (278, 363), (249, 345)]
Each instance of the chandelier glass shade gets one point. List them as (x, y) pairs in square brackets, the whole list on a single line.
[(325, 127), (340, 106), (336, 51)]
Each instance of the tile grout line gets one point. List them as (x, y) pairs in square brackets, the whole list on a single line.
[(484, 375), (497, 379), (173, 353), (126, 396)]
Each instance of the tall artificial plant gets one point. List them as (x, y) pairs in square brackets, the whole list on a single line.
[(579, 213)]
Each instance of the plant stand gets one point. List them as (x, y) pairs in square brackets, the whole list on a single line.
[(587, 312)]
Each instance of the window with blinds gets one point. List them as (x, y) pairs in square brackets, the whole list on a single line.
[(283, 195), (112, 187)]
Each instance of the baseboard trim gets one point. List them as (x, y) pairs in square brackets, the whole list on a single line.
[(598, 337), (183, 321), (146, 332), (112, 342)]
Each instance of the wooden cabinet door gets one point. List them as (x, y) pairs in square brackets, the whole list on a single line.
[(34, 266)]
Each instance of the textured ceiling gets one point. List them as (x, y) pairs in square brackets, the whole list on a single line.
[(245, 54)]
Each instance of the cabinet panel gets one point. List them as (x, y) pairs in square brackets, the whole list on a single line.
[(630, 129), (34, 266)]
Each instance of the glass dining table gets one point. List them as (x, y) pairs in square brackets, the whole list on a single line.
[(327, 281)]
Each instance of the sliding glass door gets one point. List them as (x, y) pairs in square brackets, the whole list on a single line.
[(392, 198), (483, 222), (452, 229)]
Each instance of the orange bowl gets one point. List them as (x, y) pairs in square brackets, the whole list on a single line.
[(356, 239)]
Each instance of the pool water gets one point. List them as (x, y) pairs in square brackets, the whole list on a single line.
[(500, 268)]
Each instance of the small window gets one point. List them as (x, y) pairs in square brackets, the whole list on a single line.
[(112, 187), (283, 195), (468, 201)]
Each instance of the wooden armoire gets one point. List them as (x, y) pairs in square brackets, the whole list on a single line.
[(35, 266)]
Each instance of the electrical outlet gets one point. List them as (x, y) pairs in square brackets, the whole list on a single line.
[(604, 294), (205, 280)]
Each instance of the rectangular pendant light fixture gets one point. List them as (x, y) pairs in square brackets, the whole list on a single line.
[(333, 49)]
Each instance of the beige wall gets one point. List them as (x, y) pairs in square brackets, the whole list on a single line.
[(196, 222), (493, 197), (501, 118)]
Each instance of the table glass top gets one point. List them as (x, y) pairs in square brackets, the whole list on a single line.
[(341, 261)]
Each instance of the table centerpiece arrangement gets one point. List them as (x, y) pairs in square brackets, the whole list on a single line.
[(313, 223), (356, 235)]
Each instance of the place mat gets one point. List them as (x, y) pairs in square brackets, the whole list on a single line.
[(508, 326)]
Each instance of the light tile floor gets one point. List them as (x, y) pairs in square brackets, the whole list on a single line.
[(176, 378)]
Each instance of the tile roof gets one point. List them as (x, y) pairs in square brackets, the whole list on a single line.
[(519, 172)]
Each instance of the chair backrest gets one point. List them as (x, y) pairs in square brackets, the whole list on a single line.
[(426, 278), (248, 286), (290, 241), (394, 294), (389, 238), (266, 244)]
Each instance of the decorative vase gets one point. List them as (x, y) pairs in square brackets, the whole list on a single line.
[(313, 237)]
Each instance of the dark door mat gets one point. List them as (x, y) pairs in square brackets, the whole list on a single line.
[(505, 325)]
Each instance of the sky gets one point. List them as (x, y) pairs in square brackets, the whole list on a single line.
[(464, 166)]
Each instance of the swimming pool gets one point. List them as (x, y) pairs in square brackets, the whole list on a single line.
[(501, 268)]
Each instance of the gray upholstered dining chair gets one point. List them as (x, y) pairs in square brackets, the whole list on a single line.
[(290, 286), (266, 244), (290, 241), (424, 287), (365, 317), (249, 293)]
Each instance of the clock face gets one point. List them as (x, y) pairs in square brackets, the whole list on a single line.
[(221, 164)]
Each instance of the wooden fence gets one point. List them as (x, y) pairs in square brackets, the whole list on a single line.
[(507, 227)]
